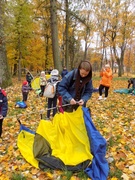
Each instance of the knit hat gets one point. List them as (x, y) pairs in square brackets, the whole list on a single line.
[(25, 83), (42, 72), (54, 72), (107, 66)]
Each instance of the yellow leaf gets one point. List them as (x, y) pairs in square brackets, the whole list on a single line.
[(25, 166), (125, 177), (106, 129), (10, 148), (49, 174), (114, 178), (14, 167), (132, 168), (34, 171)]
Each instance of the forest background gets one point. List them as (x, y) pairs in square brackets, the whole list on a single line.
[(38, 34)]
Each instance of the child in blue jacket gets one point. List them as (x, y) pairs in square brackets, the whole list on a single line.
[(3, 107)]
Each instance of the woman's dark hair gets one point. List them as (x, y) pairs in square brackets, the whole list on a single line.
[(85, 65)]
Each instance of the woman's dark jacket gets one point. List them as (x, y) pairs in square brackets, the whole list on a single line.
[(67, 88), (29, 78), (64, 72), (131, 81)]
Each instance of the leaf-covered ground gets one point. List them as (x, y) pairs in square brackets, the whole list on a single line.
[(114, 118)]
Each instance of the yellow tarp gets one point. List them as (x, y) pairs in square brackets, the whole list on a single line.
[(35, 84), (25, 144), (67, 136)]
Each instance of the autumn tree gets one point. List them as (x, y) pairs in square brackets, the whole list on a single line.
[(20, 32), (54, 32), (50, 33), (116, 29), (4, 71), (43, 31)]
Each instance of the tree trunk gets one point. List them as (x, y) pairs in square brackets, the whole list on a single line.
[(46, 50), (19, 59), (4, 71), (15, 70), (54, 32), (67, 35)]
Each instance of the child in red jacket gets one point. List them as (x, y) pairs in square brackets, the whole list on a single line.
[(25, 90)]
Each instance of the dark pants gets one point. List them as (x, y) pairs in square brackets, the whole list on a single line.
[(101, 87), (29, 82), (1, 122), (52, 102), (25, 96), (42, 90)]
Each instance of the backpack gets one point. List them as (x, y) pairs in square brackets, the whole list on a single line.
[(21, 104), (50, 89)]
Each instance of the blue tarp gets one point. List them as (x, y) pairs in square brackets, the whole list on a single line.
[(22, 127), (99, 168), (125, 91)]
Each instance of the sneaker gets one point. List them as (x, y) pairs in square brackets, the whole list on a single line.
[(105, 98), (100, 98)]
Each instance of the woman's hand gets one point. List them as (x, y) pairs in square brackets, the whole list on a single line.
[(72, 102), (81, 102), (1, 117)]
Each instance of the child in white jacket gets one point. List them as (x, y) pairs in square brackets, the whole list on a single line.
[(43, 83)]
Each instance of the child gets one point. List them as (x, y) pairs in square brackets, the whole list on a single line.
[(105, 83), (3, 106), (25, 91), (29, 78), (52, 102), (43, 82)]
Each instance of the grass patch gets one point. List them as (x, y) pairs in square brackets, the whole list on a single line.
[(120, 79), (9, 124), (18, 177), (67, 175), (82, 175), (116, 173)]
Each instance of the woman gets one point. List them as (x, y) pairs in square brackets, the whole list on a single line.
[(106, 78), (43, 83), (76, 87), (29, 78)]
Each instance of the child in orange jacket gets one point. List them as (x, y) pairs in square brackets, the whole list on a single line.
[(105, 83)]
